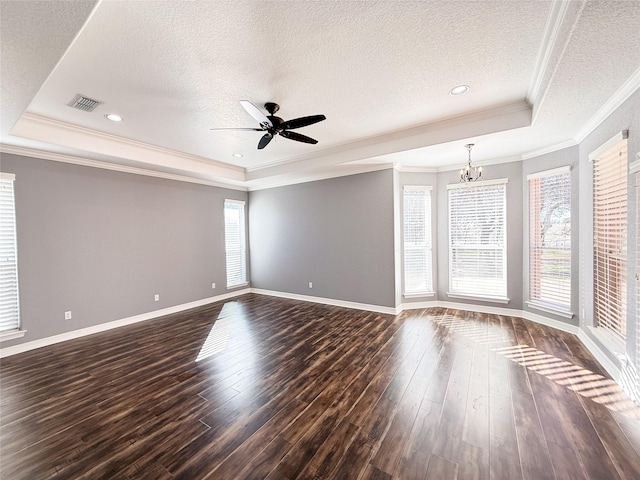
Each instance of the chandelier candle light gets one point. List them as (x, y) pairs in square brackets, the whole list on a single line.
[(470, 174)]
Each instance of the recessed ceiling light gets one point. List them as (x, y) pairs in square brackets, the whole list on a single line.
[(113, 117), (459, 90), (237, 155)]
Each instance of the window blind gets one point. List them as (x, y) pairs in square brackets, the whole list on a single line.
[(417, 240), (610, 238), (477, 239), (235, 245), (9, 304), (637, 176), (550, 239)]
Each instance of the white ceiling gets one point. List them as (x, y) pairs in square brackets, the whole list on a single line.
[(542, 73)]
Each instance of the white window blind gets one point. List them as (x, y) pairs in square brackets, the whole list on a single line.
[(477, 239), (417, 240), (235, 243), (9, 304), (610, 238), (637, 175), (550, 239)]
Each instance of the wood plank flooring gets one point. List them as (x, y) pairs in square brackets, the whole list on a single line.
[(265, 388)]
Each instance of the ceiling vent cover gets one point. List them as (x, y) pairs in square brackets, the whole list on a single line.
[(84, 103)]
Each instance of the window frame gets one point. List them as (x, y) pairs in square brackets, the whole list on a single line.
[(240, 205), (9, 258), (537, 300), (637, 275), (604, 326), (498, 297), (427, 244)]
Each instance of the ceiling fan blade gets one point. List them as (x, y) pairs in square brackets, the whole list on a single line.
[(302, 122), (256, 113), (298, 137), (264, 141), (241, 129)]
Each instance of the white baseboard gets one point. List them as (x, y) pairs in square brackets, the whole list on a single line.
[(63, 337), (602, 358), (630, 380), (328, 301), (417, 305), (550, 322), (534, 317), (620, 367)]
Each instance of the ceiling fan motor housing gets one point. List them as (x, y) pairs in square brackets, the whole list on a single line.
[(271, 107), (276, 122)]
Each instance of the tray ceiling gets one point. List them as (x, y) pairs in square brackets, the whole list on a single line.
[(381, 72)]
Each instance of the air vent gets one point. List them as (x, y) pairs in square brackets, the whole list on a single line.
[(84, 103)]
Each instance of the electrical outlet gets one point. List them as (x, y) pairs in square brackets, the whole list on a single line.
[(310, 284), (213, 285), (156, 297), (67, 315)]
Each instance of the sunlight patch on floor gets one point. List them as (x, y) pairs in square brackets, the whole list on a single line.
[(584, 382), (218, 337), (477, 333)]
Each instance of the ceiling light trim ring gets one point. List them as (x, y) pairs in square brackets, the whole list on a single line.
[(459, 90)]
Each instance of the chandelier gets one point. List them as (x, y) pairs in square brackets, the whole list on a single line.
[(470, 173)]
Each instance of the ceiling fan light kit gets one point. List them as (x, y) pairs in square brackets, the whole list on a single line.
[(273, 125)]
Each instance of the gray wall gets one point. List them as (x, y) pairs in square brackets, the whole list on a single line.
[(336, 233), (102, 243), (560, 158), (626, 117), (512, 171)]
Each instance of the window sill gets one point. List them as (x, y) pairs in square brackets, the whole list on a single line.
[(418, 295), (11, 335), (230, 287), (502, 300), (550, 309)]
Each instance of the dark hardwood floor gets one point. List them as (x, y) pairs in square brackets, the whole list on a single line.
[(260, 387)]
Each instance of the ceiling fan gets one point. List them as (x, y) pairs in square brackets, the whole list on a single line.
[(273, 125)]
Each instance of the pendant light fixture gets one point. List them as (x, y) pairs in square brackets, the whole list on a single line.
[(470, 173)]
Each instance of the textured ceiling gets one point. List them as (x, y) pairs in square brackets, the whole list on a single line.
[(379, 70)]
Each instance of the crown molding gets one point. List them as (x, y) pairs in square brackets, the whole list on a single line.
[(621, 95), (548, 44), (59, 157), (484, 163), (55, 132), (335, 172), (549, 149), (414, 169)]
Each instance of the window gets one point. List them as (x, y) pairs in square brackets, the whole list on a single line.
[(9, 305), (477, 240), (610, 236), (417, 241), (235, 243), (550, 239), (637, 175)]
